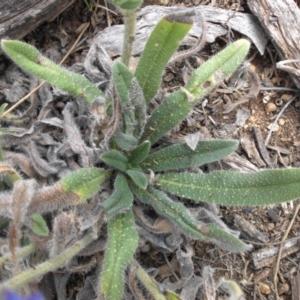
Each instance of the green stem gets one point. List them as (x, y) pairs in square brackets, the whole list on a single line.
[(28, 275), (146, 280), (129, 32), (20, 253)]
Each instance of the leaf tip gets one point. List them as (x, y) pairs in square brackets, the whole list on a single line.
[(185, 17)]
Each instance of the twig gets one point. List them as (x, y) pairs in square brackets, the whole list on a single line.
[(273, 64), (106, 8), (279, 88), (270, 243), (281, 247), (170, 267), (43, 82), (277, 118)]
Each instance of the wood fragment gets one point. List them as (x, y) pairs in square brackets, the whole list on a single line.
[(17, 18), (261, 147), (281, 21), (249, 229), (250, 148), (295, 283), (111, 38), (265, 257)]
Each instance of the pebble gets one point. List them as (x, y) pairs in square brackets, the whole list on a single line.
[(270, 106), (283, 288), (286, 97), (264, 288), (273, 215)]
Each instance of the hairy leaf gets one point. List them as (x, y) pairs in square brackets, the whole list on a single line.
[(233, 188), (39, 225), (133, 105), (121, 246), (30, 59), (115, 159), (122, 79), (217, 68), (84, 182), (139, 178), (162, 43), (166, 116), (140, 108), (178, 214), (126, 142), (138, 155), (28, 275), (182, 156), (121, 199)]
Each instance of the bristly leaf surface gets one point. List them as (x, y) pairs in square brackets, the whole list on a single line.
[(178, 214), (115, 159), (232, 188), (84, 182), (162, 43), (181, 156), (121, 246), (30, 59), (121, 199)]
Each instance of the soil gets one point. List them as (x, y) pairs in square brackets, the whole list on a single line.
[(217, 121)]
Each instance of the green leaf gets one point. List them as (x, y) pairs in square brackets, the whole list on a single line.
[(128, 4), (138, 177), (121, 246), (30, 59), (140, 108), (126, 142), (162, 43), (217, 68), (181, 156), (233, 188), (122, 79), (138, 155), (166, 116), (133, 105), (2, 108), (177, 213), (115, 159), (121, 199), (21, 279), (172, 296), (84, 182), (39, 225)]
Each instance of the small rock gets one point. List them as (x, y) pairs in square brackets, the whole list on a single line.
[(281, 122), (264, 288), (275, 128), (273, 215), (283, 288), (286, 97), (270, 106), (169, 77)]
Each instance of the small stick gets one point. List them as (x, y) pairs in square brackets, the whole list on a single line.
[(281, 247)]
